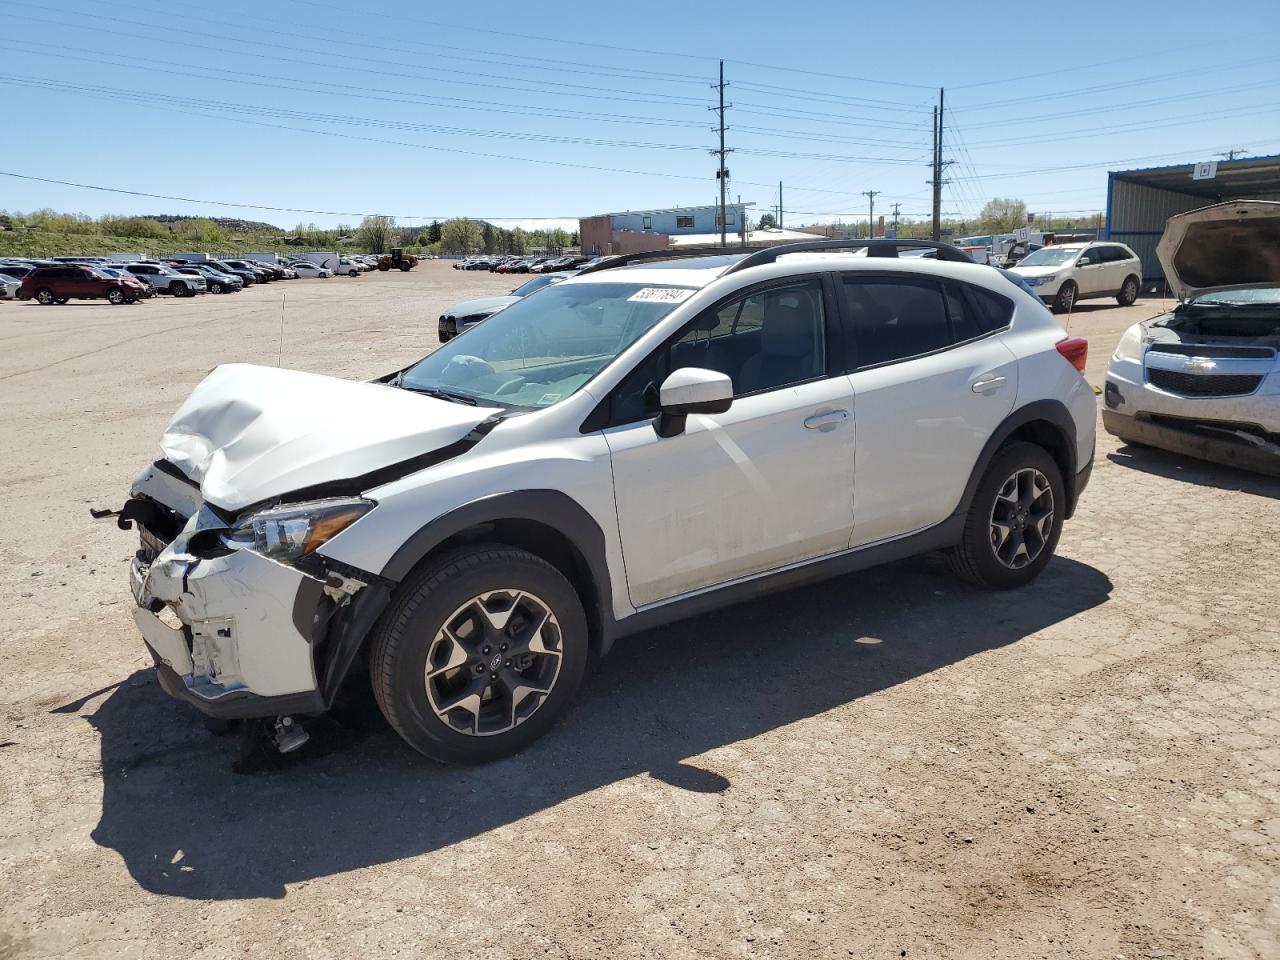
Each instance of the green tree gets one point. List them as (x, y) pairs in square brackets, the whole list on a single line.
[(767, 222), (375, 233), (519, 241), (557, 240), (433, 232), (1001, 214), (489, 238), (460, 236)]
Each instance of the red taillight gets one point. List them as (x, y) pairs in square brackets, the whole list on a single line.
[(1075, 350)]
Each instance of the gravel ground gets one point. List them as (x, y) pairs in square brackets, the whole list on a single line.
[(886, 765)]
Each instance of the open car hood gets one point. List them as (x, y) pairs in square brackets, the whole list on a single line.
[(1234, 244), (248, 433)]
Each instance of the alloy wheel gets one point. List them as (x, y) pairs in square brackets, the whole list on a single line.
[(494, 662), (1022, 518)]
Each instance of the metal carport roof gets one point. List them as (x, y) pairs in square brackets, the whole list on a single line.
[(1140, 201)]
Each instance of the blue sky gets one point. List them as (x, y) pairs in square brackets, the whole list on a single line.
[(514, 112)]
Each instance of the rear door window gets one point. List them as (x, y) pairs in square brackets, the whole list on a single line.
[(895, 318)]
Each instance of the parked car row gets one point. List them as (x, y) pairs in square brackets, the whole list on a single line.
[(517, 264), (60, 279)]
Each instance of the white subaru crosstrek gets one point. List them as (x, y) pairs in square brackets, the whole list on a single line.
[(1067, 273), (1204, 380), (646, 440)]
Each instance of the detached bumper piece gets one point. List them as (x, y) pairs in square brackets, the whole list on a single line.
[(1233, 445)]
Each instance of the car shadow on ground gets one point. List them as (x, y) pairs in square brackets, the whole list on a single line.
[(187, 826), (1174, 466)]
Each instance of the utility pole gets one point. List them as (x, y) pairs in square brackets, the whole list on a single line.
[(871, 215), (1230, 154), (937, 181), (722, 174), (895, 219), (779, 204)]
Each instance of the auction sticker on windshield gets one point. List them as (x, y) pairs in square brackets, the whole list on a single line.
[(661, 295)]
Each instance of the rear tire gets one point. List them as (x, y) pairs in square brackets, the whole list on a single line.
[(177, 290), (1066, 298), (61, 300), (1128, 295), (454, 695), (1014, 520), (45, 297)]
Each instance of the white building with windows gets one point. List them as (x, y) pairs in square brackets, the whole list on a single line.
[(633, 231)]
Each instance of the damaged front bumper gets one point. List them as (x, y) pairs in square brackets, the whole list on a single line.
[(1230, 444), (233, 633)]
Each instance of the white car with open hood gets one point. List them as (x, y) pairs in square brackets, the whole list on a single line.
[(652, 438), (1205, 379)]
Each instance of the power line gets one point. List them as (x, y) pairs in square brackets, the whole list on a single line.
[(467, 54), (1079, 69), (378, 94), (1077, 92), (1010, 174), (254, 110), (567, 89), (257, 206), (1114, 107)]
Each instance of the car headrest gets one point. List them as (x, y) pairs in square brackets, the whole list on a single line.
[(788, 329)]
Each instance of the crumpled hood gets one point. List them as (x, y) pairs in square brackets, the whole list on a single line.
[(485, 305), (1231, 244), (249, 433)]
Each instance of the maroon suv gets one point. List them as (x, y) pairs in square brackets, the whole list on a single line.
[(72, 281)]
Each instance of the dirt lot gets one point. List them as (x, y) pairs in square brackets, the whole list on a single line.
[(889, 765)]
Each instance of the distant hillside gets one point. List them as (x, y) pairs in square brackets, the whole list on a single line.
[(234, 224)]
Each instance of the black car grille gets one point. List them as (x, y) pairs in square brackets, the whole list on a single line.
[(1204, 385)]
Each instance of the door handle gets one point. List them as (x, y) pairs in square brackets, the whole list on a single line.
[(820, 421), (988, 385)]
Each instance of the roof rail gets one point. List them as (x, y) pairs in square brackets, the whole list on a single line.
[(675, 253), (874, 248)]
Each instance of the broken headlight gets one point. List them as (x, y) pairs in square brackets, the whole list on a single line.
[(291, 532)]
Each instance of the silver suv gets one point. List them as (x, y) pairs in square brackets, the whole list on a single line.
[(164, 279), (1205, 379)]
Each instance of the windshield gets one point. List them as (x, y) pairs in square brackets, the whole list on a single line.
[(541, 349), (1049, 257), (1247, 297)]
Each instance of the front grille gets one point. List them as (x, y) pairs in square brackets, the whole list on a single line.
[(1213, 351), (1204, 385)]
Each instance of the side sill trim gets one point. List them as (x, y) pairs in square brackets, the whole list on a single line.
[(944, 534)]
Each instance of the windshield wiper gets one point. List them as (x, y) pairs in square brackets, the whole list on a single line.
[(442, 394)]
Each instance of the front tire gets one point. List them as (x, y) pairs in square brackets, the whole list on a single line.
[(1014, 521), (479, 653), (216, 287), (1066, 297), (353, 273), (115, 296), (1128, 295)]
